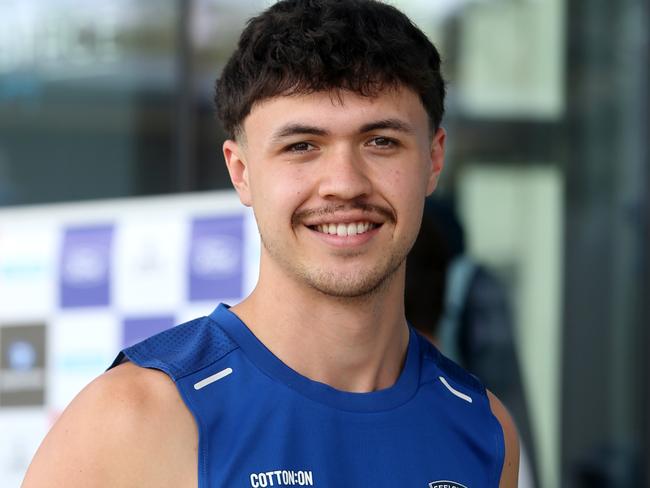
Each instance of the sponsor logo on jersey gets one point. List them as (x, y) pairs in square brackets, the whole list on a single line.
[(282, 477), (446, 484)]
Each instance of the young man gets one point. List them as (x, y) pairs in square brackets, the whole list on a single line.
[(333, 109)]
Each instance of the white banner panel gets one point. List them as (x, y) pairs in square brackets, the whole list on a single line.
[(79, 282)]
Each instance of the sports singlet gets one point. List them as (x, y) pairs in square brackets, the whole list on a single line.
[(261, 424)]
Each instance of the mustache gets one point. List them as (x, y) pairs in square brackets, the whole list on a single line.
[(301, 215)]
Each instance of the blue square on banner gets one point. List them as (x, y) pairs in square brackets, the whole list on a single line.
[(85, 266), (138, 329), (215, 258)]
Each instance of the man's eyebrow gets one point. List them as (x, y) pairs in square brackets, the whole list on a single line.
[(394, 124), (293, 129)]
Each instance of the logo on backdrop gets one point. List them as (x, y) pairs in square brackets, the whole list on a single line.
[(138, 329), (22, 356), (215, 258), (24, 269), (22, 365), (85, 266)]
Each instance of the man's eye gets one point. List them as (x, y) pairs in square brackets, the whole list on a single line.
[(300, 147), (383, 142)]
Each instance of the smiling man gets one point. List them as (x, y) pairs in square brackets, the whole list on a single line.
[(333, 108)]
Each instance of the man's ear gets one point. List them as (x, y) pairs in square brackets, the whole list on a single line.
[(437, 156), (238, 170)]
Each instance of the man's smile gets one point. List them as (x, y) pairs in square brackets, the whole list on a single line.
[(342, 229), (340, 226), (345, 234)]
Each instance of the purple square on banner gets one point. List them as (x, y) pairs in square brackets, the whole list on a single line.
[(136, 330), (85, 266), (215, 258)]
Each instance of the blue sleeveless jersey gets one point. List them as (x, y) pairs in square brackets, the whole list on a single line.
[(261, 424)]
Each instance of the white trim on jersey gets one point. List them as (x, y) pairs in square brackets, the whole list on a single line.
[(212, 378), (459, 394)]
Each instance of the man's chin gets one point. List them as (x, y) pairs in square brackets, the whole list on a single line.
[(348, 287)]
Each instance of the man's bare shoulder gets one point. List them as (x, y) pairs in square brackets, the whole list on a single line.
[(510, 471), (127, 428)]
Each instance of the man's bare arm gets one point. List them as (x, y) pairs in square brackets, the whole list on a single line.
[(128, 428), (510, 472)]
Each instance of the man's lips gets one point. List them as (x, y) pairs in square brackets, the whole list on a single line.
[(343, 215)]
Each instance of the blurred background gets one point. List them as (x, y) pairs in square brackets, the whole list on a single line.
[(117, 218)]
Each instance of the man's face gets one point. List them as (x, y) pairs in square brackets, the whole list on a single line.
[(337, 183)]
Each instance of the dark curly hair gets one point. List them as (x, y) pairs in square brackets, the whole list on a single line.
[(306, 46)]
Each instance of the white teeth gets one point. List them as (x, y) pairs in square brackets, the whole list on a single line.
[(343, 230)]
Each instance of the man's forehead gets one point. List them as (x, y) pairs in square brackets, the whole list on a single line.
[(315, 108), (337, 96)]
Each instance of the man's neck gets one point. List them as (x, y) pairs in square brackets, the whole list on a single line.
[(356, 345)]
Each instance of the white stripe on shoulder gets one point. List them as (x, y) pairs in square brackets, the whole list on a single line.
[(212, 378), (459, 394)]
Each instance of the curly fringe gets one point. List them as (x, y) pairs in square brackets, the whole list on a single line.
[(307, 46)]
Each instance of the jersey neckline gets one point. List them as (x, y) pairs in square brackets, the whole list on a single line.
[(386, 399)]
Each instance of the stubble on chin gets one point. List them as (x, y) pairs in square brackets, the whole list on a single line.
[(352, 286), (343, 284)]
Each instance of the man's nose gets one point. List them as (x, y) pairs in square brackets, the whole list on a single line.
[(345, 176)]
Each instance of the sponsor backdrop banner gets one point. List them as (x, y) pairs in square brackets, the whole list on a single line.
[(79, 282)]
